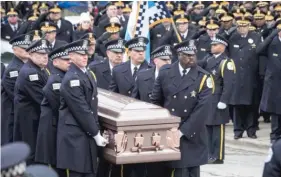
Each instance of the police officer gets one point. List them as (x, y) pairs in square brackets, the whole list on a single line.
[(13, 159), (9, 30), (29, 94), (271, 94), (49, 29), (204, 41), (145, 79), (92, 55), (19, 44), (46, 145), (242, 49), (272, 167), (78, 132), (65, 29), (184, 89), (103, 69), (222, 69), (124, 75)]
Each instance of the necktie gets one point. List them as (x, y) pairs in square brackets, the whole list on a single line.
[(15, 28), (135, 72), (184, 72)]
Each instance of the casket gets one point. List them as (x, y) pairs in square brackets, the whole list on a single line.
[(138, 132)]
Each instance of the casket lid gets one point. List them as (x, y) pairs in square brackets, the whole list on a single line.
[(120, 110)]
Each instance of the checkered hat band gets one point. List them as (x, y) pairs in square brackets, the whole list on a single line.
[(115, 47), (41, 47), (61, 54), (76, 48), (216, 40), (14, 171), (160, 54), (21, 43), (135, 45), (186, 48)]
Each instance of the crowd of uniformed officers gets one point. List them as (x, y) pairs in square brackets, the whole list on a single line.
[(221, 61)]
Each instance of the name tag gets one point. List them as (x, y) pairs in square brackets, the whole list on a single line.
[(158, 35), (56, 86), (236, 46), (202, 49), (14, 74), (8, 37), (74, 83), (275, 54), (33, 77)]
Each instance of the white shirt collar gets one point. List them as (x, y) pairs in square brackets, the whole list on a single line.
[(184, 34), (133, 66), (279, 38), (83, 70), (110, 67), (217, 55), (156, 73), (14, 25), (53, 43), (181, 69), (59, 23)]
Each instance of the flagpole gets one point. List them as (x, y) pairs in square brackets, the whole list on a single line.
[(176, 31)]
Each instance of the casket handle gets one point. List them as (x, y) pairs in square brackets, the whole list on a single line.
[(173, 139), (155, 141)]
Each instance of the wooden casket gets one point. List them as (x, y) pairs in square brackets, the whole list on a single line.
[(137, 131)]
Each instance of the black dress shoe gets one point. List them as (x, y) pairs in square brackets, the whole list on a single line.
[(253, 136), (211, 160), (218, 161), (237, 137), (266, 120)]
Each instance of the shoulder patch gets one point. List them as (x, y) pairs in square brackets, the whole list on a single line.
[(74, 83), (209, 82), (33, 77), (14, 74), (230, 66), (56, 86)]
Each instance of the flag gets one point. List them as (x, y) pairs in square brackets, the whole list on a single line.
[(145, 15)]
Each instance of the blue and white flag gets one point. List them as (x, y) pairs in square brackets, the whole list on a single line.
[(145, 15)]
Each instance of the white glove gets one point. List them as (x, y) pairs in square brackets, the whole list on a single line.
[(180, 134), (221, 105), (101, 141)]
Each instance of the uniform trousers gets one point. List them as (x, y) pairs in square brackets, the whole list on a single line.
[(275, 126), (216, 141), (244, 120), (185, 172), (76, 174), (127, 170)]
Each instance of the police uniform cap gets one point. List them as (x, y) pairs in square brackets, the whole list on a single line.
[(214, 4), (119, 4), (22, 41), (278, 25), (90, 36), (116, 45), (248, 13), (2, 10), (112, 27), (221, 9), (163, 52), (127, 9), (226, 17), (35, 5), (36, 35), (212, 24), (181, 18), (238, 12), (33, 16), (55, 9), (262, 4), (39, 46), (277, 7), (40, 171), (12, 11), (203, 21), (180, 9), (224, 3), (13, 157), (269, 16), (59, 52), (137, 43), (258, 14), (44, 6), (170, 4), (198, 4), (48, 27), (243, 21), (186, 47), (219, 39), (80, 47)]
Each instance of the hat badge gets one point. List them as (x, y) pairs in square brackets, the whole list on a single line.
[(167, 49), (90, 35), (85, 44), (191, 43), (44, 44), (120, 42), (47, 24), (27, 37)]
